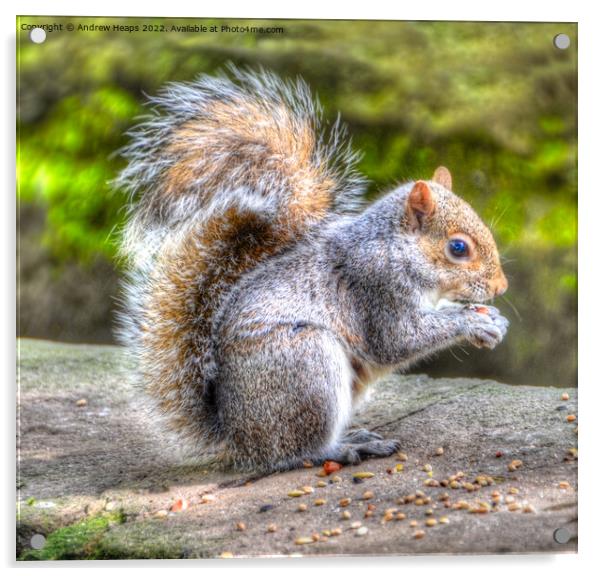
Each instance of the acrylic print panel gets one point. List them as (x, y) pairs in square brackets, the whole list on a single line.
[(252, 325)]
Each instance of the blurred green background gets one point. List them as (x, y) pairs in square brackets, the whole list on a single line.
[(494, 102)]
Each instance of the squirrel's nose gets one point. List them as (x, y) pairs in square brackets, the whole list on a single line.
[(500, 285)]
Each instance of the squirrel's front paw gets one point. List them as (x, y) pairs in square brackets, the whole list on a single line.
[(485, 326)]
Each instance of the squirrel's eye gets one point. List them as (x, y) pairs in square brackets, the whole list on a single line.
[(458, 248)]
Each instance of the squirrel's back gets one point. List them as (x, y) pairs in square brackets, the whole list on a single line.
[(225, 172)]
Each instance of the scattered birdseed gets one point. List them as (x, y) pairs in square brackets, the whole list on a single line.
[(400, 516), (304, 540), (307, 464), (468, 486), (387, 516), (514, 506), (515, 465), (454, 484), (320, 502), (326, 533), (241, 526), (226, 555), (565, 396), (439, 451), (363, 475), (321, 484), (362, 531), (528, 508), (513, 490), (272, 528), (296, 493), (419, 534), (344, 502), (302, 507), (399, 467), (402, 456), (432, 483), (355, 524), (81, 402), (206, 498), (509, 499), (368, 513), (336, 479), (367, 495), (442, 497), (431, 522), (161, 514), (336, 531), (307, 489), (371, 506), (444, 520), (427, 468), (564, 485), (413, 523), (315, 537), (428, 512), (571, 418), (345, 515)]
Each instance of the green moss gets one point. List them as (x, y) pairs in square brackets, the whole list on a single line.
[(76, 542)]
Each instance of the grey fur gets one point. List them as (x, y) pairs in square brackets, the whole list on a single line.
[(289, 335)]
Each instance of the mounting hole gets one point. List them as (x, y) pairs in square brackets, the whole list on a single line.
[(37, 35), (37, 541), (561, 535), (562, 41)]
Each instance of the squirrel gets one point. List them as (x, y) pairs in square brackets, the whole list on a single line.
[(263, 297)]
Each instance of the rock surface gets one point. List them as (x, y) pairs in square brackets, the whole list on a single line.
[(96, 482)]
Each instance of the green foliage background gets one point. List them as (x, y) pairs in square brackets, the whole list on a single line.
[(494, 102)]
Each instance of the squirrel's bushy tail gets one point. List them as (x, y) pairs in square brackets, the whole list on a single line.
[(224, 173)]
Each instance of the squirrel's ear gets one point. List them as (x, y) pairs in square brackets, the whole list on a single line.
[(443, 176), (420, 204)]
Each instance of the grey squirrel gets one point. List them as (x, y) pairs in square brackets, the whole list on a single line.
[(262, 298)]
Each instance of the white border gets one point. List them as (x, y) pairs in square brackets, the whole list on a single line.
[(590, 232)]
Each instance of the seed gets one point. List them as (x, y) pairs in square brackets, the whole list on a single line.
[(410, 498), (344, 502), (444, 520), (514, 506), (528, 508), (345, 515), (439, 451), (226, 555), (296, 493), (509, 499), (368, 514), (206, 498), (431, 522), (399, 467), (401, 456), (387, 516), (161, 514), (571, 418), (444, 482), (363, 475), (447, 504), (413, 523), (368, 495), (371, 506), (355, 524), (481, 480), (565, 396), (442, 497), (513, 490), (315, 536), (81, 402), (419, 534), (307, 489), (320, 484), (419, 502), (514, 465), (336, 479), (432, 483), (564, 485), (302, 507), (326, 532), (241, 526), (307, 464), (336, 531), (420, 493), (480, 508), (320, 502), (427, 468), (272, 528), (571, 454), (454, 484), (304, 540), (362, 531), (400, 516), (330, 466), (321, 473), (428, 512), (462, 505)]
